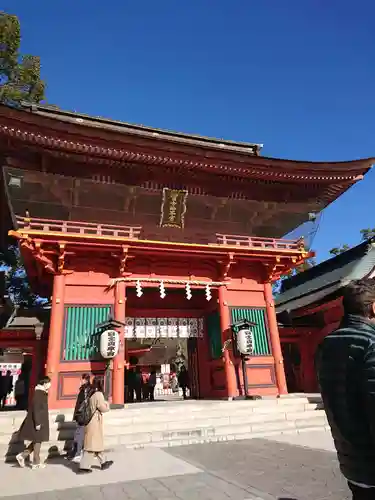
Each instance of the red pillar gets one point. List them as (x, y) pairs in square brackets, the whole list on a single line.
[(275, 339), (225, 322), (55, 335), (118, 381)]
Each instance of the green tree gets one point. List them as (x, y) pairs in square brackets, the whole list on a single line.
[(17, 285), (338, 250), (366, 234), (19, 74), (19, 81)]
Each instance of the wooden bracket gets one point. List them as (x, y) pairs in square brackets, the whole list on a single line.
[(36, 248), (61, 258), (274, 270), (226, 265), (124, 257)]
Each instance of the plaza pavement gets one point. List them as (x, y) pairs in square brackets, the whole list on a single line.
[(285, 467)]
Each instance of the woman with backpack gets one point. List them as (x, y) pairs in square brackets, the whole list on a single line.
[(93, 446), (79, 416)]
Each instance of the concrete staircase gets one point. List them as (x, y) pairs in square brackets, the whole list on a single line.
[(163, 424)]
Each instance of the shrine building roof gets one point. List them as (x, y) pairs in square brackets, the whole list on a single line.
[(50, 127), (231, 187), (141, 130), (327, 278)]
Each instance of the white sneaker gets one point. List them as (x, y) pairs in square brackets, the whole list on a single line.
[(21, 460), (77, 459), (38, 466)]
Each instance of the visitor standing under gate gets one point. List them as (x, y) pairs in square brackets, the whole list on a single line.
[(6, 388), (151, 385), (183, 380)]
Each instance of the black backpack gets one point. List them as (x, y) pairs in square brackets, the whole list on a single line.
[(83, 413)]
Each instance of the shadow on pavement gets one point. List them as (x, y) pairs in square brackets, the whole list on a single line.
[(273, 468), (63, 460)]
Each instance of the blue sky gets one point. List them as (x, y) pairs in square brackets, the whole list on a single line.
[(297, 76)]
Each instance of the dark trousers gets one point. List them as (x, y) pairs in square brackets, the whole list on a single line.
[(138, 393), (33, 448), (145, 392), (151, 392), (362, 493)]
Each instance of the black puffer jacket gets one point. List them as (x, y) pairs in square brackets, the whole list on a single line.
[(346, 372)]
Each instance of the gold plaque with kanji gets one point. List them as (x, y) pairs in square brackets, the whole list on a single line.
[(173, 208)]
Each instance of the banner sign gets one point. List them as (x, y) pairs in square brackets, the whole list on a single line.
[(173, 208), (170, 328)]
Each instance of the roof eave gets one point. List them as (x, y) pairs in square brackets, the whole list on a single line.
[(129, 128)]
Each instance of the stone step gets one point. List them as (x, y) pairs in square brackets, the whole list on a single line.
[(65, 431), (172, 424), (147, 414), (181, 437), (180, 406), (120, 422)]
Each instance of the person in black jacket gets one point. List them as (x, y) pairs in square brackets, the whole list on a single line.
[(84, 393), (346, 374), (35, 427), (183, 380)]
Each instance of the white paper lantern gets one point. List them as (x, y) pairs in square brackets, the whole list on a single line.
[(245, 342), (109, 344)]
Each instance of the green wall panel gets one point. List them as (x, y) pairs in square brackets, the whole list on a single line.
[(80, 341), (214, 334), (257, 316)]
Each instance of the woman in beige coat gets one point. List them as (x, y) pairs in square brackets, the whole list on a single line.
[(93, 446)]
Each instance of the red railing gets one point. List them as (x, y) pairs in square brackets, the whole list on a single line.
[(133, 232), (83, 228), (261, 243)]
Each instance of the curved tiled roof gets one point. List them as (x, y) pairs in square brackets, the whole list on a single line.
[(327, 277), (112, 142)]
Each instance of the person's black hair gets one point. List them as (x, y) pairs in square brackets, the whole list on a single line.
[(44, 380), (97, 384), (359, 297), (86, 377)]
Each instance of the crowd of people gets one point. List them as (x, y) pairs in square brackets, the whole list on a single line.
[(346, 372), (89, 435), (140, 385), (88, 415)]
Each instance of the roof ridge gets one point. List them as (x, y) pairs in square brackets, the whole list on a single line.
[(48, 109)]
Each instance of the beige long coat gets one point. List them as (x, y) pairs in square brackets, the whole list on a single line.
[(94, 440)]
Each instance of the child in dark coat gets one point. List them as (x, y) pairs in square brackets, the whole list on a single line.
[(35, 427)]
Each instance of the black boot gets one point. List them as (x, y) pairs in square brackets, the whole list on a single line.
[(107, 464), (72, 452)]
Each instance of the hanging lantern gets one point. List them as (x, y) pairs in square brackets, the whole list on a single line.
[(138, 289), (162, 290), (188, 291), (208, 293)]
